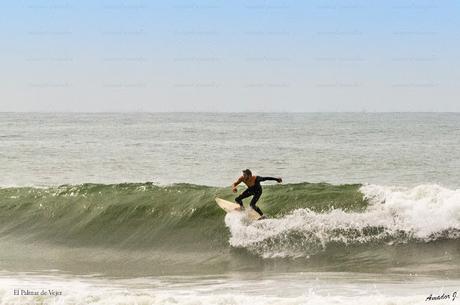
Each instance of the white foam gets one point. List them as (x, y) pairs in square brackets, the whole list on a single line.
[(423, 212), (299, 288)]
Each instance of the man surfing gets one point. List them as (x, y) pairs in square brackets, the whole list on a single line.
[(254, 189)]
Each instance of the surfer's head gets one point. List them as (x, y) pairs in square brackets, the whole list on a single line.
[(247, 173)]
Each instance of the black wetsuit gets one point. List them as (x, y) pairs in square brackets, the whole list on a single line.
[(256, 191)]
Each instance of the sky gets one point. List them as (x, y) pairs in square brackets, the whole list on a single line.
[(229, 56)]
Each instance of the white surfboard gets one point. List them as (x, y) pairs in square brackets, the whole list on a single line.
[(228, 207)]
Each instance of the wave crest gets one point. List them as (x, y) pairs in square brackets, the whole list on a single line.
[(394, 215)]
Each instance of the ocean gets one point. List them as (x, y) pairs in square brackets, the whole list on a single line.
[(118, 208)]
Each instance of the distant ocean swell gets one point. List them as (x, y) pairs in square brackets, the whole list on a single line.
[(305, 219)]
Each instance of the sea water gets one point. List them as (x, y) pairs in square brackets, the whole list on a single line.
[(118, 208)]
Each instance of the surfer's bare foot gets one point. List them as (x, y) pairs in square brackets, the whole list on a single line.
[(262, 217), (240, 208)]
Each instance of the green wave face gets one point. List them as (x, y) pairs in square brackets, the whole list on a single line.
[(179, 228), (146, 215)]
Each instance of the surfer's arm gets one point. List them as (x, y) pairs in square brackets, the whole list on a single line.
[(235, 184), (260, 179)]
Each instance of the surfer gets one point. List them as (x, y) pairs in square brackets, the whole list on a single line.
[(254, 189)]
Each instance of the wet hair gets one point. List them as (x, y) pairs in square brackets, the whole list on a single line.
[(247, 172)]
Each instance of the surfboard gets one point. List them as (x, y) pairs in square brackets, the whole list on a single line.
[(229, 207)]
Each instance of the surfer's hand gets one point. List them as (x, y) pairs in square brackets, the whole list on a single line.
[(234, 190), (279, 180)]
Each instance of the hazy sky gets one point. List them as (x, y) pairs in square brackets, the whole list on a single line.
[(253, 55)]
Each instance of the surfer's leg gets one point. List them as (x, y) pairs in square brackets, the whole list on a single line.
[(243, 195), (254, 199)]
